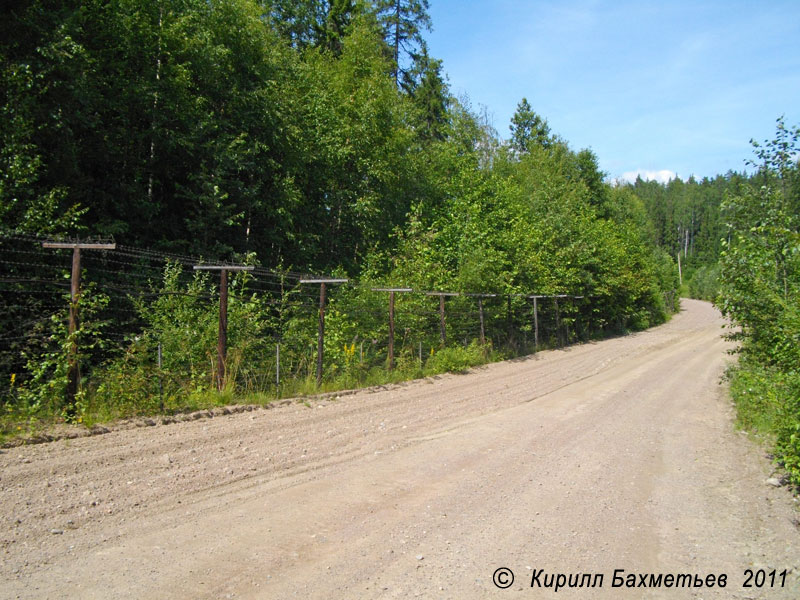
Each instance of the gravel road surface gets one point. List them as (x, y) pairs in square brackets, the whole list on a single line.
[(619, 454)]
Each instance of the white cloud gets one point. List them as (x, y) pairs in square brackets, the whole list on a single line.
[(662, 176)]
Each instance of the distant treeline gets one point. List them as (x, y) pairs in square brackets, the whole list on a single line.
[(686, 221)]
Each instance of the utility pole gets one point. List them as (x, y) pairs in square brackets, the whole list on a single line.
[(73, 368), (391, 319), (321, 332), (222, 338)]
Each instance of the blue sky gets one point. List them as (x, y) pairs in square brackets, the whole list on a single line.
[(662, 87)]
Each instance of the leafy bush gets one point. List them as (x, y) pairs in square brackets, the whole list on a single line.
[(41, 390), (760, 293), (704, 283), (768, 401), (455, 359), (183, 320)]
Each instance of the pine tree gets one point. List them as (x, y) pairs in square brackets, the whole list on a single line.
[(312, 23), (424, 84), (528, 129), (403, 22)]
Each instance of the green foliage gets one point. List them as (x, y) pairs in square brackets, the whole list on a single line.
[(183, 320), (403, 22), (28, 201), (41, 390), (704, 282), (760, 293), (455, 359), (760, 280), (306, 23), (426, 88), (684, 217), (768, 402), (528, 129), (314, 134)]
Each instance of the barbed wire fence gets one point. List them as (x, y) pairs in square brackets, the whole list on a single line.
[(150, 321)]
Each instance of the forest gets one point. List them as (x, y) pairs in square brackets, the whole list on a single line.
[(316, 138)]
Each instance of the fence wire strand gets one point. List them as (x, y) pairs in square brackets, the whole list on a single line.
[(35, 288)]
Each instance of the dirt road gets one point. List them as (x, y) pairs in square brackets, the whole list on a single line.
[(612, 455)]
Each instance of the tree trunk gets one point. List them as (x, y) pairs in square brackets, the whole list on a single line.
[(150, 176), (397, 43)]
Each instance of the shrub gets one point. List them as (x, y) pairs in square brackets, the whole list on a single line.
[(455, 359), (768, 402)]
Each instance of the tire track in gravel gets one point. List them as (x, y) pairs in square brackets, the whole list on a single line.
[(616, 454)]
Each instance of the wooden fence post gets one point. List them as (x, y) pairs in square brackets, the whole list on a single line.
[(483, 327), (509, 324), (73, 366), (321, 329), (481, 315), (321, 332), (391, 291), (442, 327), (558, 321), (535, 322), (443, 330), (160, 381), (222, 336)]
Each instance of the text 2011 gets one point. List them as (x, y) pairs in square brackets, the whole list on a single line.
[(761, 578)]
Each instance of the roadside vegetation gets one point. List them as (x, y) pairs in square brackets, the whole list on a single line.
[(760, 293), (297, 137), (321, 137)]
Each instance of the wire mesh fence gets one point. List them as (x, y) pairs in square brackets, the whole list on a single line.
[(147, 331)]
